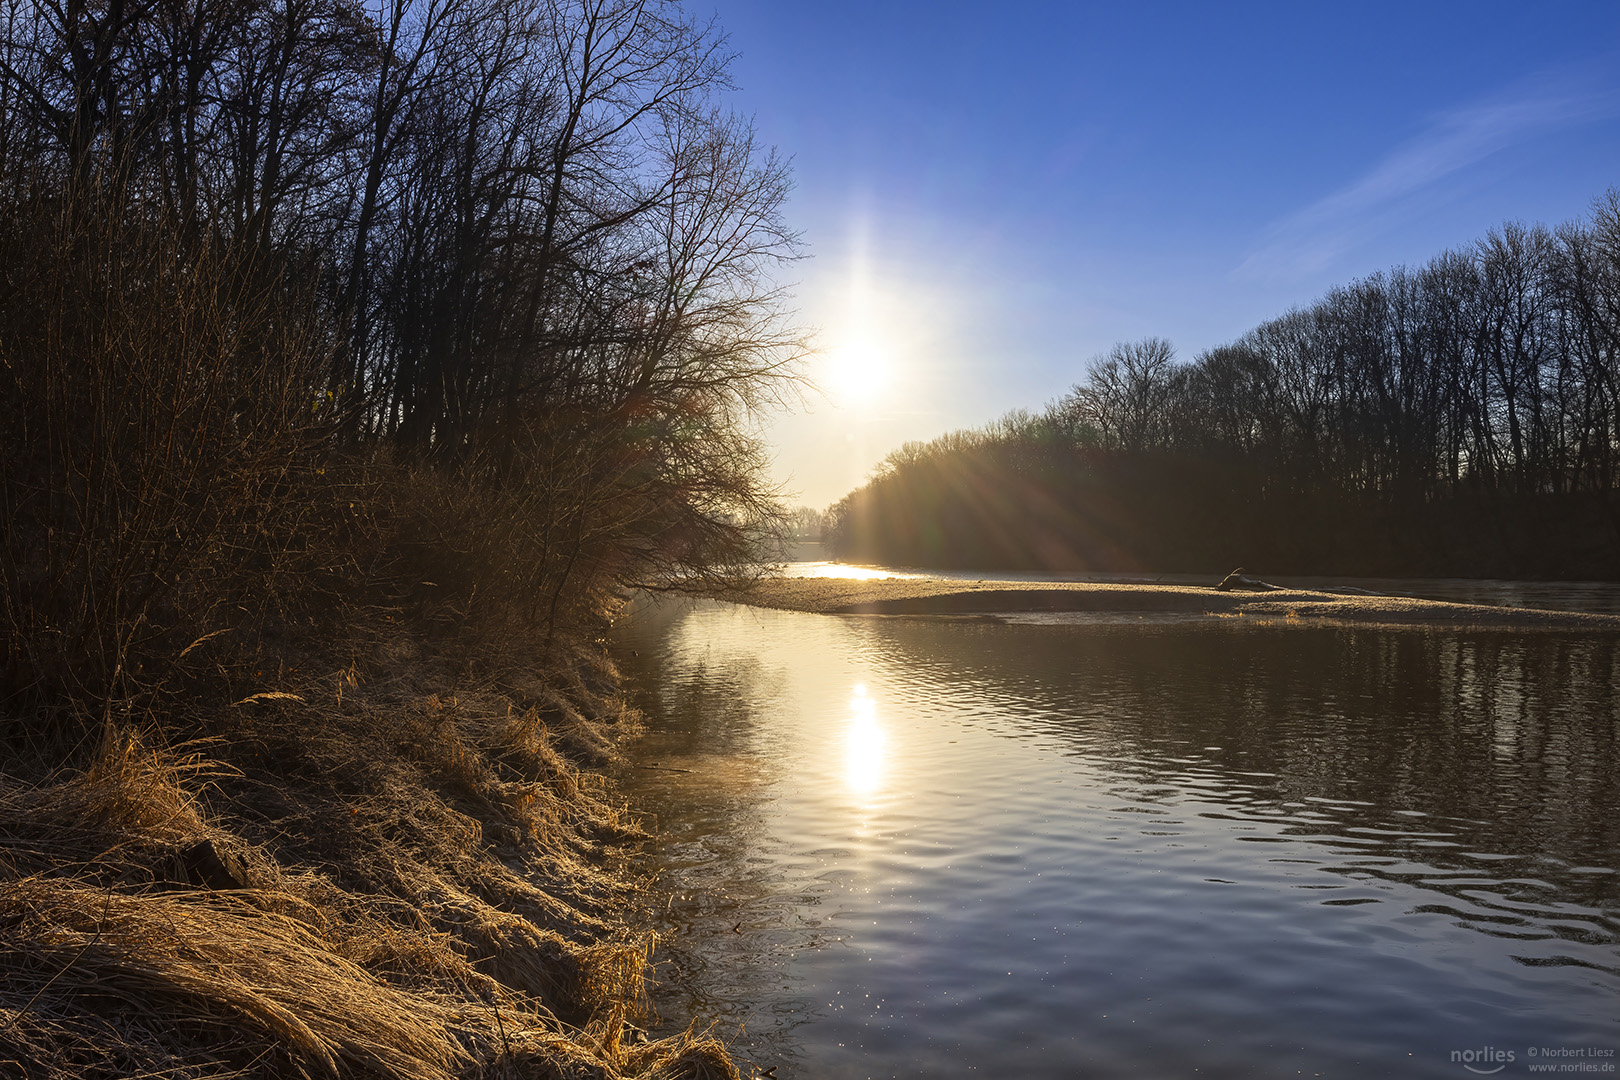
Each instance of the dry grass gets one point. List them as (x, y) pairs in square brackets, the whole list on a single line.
[(362, 872), (235, 973)]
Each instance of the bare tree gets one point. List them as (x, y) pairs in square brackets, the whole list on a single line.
[(1126, 393)]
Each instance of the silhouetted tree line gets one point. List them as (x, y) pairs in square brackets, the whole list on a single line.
[(462, 305), (1458, 418)]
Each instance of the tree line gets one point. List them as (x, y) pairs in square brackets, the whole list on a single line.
[(1462, 417), (462, 305)]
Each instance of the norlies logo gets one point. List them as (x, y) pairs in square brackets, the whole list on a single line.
[(1485, 1060)]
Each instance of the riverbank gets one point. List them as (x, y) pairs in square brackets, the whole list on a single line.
[(396, 865), (989, 598)]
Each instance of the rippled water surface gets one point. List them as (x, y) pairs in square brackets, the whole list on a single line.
[(935, 848)]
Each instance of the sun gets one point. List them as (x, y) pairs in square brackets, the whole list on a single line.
[(858, 373)]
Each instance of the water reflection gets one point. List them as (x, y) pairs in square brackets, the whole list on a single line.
[(1119, 851), (844, 570), (863, 745)]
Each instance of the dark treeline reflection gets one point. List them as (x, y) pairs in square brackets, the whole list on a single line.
[(1374, 843), (1460, 418), (1501, 745)]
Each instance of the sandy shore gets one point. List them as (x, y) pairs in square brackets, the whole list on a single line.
[(935, 596)]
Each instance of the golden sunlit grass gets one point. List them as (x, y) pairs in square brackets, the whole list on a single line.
[(349, 875)]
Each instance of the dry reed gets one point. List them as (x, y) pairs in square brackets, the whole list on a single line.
[(350, 874)]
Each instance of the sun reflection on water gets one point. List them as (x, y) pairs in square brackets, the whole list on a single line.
[(841, 570), (863, 745)]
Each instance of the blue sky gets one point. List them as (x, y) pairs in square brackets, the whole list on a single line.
[(992, 194)]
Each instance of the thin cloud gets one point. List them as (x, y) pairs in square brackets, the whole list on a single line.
[(1308, 241)]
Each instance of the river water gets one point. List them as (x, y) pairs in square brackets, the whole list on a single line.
[(1123, 848)]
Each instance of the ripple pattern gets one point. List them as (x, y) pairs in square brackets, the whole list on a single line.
[(1115, 851)]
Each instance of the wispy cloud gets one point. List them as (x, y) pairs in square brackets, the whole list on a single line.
[(1311, 240)]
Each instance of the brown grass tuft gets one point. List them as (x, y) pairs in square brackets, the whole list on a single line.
[(189, 969), (363, 873)]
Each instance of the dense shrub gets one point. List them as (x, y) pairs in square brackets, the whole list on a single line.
[(461, 309)]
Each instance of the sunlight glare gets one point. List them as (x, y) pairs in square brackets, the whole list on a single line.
[(863, 772), (843, 570), (859, 372)]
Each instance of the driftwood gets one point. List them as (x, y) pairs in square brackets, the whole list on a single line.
[(209, 866), (1236, 580)]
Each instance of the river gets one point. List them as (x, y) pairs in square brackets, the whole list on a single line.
[(1122, 848)]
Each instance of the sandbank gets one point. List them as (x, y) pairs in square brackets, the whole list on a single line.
[(941, 597)]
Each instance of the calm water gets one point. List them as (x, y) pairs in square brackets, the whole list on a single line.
[(912, 848)]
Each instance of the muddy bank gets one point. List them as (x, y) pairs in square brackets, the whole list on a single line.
[(935, 596)]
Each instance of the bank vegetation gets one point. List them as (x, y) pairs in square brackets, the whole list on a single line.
[(354, 360)]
